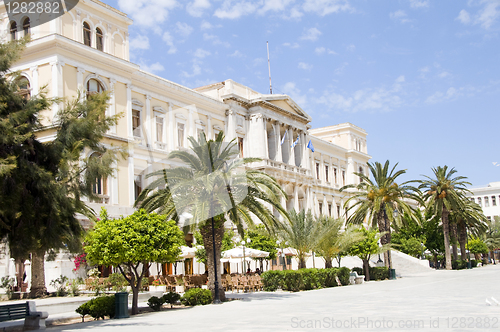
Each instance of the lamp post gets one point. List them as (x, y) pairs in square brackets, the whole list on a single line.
[(469, 264), (422, 244), (243, 243)]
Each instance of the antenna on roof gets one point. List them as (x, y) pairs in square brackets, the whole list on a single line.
[(269, 66)]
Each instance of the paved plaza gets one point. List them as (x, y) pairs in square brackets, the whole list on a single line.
[(436, 300)]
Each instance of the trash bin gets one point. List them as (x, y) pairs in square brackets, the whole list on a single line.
[(121, 305), (392, 274)]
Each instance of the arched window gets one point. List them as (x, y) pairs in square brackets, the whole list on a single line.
[(94, 86), (13, 30), (87, 33), (99, 39), (100, 187), (26, 26), (24, 87)]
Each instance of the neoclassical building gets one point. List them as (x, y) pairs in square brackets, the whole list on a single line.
[(87, 50)]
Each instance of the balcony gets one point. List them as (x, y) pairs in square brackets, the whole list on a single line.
[(277, 165)]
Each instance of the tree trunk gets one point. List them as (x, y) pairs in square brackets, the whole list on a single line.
[(454, 238), (384, 225), (492, 255), (366, 268), (302, 263), (462, 239), (19, 263), (38, 288), (206, 232), (328, 263), (446, 231)]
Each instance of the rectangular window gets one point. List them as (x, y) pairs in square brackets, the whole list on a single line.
[(493, 201), (330, 209), (180, 135), (335, 175), (317, 171), (486, 202), (240, 146), (320, 208), (159, 129), (338, 210), (479, 201), (137, 186), (343, 178), (136, 123), (198, 132), (326, 174)]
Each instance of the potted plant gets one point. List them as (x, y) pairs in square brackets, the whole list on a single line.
[(157, 286), (179, 288)]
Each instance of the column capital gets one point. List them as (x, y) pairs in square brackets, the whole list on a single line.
[(148, 97), (129, 86), (34, 68), (112, 82), (80, 70)]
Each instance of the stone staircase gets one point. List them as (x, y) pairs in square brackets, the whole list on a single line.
[(407, 265)]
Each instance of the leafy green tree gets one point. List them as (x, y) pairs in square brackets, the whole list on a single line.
[(410, 236), (43, 183), (434, 239), (132, 243), (214, 186), (443, 194), (300, 231), (477, 247), (377, 201), (366, 247), (227, 243), (260, 239), (332, 239)]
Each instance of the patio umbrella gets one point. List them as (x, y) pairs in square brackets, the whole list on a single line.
[(249, 252), (187, 252)]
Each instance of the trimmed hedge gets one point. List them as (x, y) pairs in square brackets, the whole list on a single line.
[(98, 307), (304, 279), (197, 296), (459, 265), (376, 273)]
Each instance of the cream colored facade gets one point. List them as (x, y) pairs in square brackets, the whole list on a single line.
[(89, 46), (488, 199)]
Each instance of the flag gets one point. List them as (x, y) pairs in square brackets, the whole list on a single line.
[(310, 146), (283, 139), (295, 143)]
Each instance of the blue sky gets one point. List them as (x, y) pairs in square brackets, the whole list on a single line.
[(421, 77)]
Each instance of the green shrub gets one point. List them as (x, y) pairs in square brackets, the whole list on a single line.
[(60, 285), (459, 265), (473, 263), (272, 280), (8, 284), (98, 307), (197, 296), (73, 286), (311, 278), (155, 303), (343, 273), (292, 280), (358, 270), (171, 298), (379, 273)]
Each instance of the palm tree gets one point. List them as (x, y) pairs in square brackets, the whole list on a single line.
[(381, 202), (212, 187), (443, 194), (300, 232), (471, 219), (332, 240), (491, 238)]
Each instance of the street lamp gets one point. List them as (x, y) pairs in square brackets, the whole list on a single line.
[(282, 252), (243, 243)]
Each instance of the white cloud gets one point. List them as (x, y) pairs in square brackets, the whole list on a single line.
[(183, 29), (439, 96), (419, 3), (196, 69), (236, 54), (197, 7), (400, 16), (325, 7), (274, 6), (320, 50), (231, 9), (463, 17), (295, 13), (291, 89), (167, 38), (148, 13), (205, 25), (215, 40), (305, 66), (311, 34), (443, 74), (380, 99), (201, 53), (488, 15), (339, 70), (351, 48), (294, 45), (141, 42), (155, 67)]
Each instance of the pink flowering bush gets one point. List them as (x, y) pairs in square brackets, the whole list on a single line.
[(80, 261)]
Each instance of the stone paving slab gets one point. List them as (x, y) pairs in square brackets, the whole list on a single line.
[(438, 300)]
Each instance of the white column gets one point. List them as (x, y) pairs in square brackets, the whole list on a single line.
[(112, 103), (291, 159), (131, 177), (209, 127), (305, 154), (35, 84), (57, 87), (350, 177), (148, 126), (114, 185), (171, 128), (266, 143), (308, 204), (79, 80), (107, 39), (129, 111), (321, 169), (296, 198), (277, 141), (77, 26), (126, 47), (230, 125), (191, 129)]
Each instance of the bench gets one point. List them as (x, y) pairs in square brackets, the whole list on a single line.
[(354, 278), (33, 320)]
